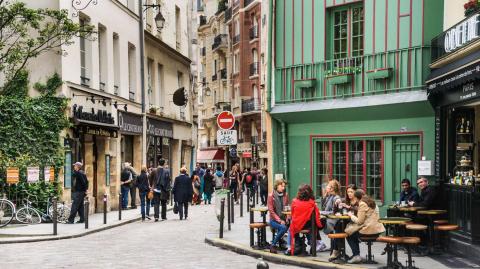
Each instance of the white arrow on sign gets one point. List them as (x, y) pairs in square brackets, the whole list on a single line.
[(226, 137)]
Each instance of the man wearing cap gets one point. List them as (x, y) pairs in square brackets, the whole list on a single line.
[(79, 191)]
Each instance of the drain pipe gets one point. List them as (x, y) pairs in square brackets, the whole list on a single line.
[(269, 57), (284, 149)]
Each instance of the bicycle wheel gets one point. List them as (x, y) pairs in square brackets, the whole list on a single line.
[(63, 212), (7, 211), (28, 215)]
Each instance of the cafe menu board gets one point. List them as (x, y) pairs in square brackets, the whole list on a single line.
[(33, 174), (13, 175), (437, 141)]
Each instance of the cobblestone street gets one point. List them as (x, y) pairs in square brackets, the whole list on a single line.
[(170, 244)]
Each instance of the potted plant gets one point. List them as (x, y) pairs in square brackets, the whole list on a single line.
[(153, 109), (341, 75), (471, 7)]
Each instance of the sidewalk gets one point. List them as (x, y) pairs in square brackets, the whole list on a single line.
[(20, 233), (238, 240)]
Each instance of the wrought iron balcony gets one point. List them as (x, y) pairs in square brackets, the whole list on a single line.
[(219, 41), (223, 73), (254, 69), (228, 14), (236, 39), (214, 77), (131, 95), (250, 105), (203, 20), (253, 32), (84, 81)]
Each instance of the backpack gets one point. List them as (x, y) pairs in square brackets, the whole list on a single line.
[(248, 179)]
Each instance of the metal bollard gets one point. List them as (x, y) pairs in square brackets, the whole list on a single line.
[(241, 203), (171, 199), (229, 211), (313, 244), (86, 208), (248, 200), (54, 215), (222, 216), (251, 229), (105, 209), (119, 206), (257, 192), (262, 265), (232, 203)]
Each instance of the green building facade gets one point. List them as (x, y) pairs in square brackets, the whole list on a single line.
[(347, 92)]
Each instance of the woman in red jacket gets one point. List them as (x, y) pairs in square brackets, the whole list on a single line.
[(302, 207)]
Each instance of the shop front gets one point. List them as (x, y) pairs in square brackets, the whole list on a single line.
[(454, 91), (159, 141), (131, 129)]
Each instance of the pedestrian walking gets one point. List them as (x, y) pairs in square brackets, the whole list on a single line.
[(263, 186), (143, 190), (133, 186), (234, 182), (126, 179), (182, 193), (161, 190), (196, 199), (79, 191), (209, 183), (218, 177)]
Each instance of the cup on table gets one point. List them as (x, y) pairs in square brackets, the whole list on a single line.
[(287, 208), (404, 203)]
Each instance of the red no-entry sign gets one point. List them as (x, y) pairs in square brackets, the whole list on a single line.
[(226, 120)]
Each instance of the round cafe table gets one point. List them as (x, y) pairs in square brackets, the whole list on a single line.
[(394, 223), (263, 211), (343, 219), (431, 215)]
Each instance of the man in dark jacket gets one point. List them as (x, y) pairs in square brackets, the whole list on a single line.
[(263, 179), (161, 190), (408, 193), (79, 191), (182, 192), (428, 195)]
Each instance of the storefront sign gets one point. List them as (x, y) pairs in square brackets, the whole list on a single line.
[(12, 175), (450, 81), (97, 130), (464, 93), (33, 174), (226, 137), (100, 116), (458, 36), (425, 168), (255, 152), (159, 128), (130, 123)]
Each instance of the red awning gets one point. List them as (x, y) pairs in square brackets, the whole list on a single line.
[(211, 156), (247, 154)]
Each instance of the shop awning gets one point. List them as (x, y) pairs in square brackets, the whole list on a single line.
[(211, 156)]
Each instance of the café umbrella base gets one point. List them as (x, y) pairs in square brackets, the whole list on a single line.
[(219, 195)]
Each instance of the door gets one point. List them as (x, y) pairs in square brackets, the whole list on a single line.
[(95, 158), (406, 153)]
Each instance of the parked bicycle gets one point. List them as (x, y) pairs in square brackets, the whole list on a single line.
[(7, 211)]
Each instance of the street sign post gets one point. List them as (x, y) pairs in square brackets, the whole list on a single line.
[(226, 120), (226, 137)]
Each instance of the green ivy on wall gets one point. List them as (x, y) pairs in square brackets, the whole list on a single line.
[(29, 133)]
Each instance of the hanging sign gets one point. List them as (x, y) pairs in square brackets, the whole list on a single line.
[(12, 175), (226, 120), (49, 174), (33, 174), (227, 137)]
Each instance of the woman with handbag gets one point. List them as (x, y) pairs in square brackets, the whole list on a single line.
[(144, 190), (196, 199)]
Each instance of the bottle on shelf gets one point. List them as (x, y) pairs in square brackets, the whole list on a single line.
[(467, 129), (461, 129)]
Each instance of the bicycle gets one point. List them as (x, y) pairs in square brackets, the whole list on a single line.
[(7, 211), (31, 215)]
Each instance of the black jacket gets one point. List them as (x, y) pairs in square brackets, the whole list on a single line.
[(209, 183), (411, 195), (263, 183), (428, 198), (142, 182), (182, 189), (80, 181), (163, 182)]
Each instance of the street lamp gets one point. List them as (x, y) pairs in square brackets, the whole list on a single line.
[(159, 20)]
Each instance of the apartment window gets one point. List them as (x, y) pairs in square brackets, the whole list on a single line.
[(236, 63), (102, 57), (236, 92), (132, 75), (160, 86), (348, 32), (255, 97), (150, 83), (178, 29), (116, 64), (85, 57), (356, 162)]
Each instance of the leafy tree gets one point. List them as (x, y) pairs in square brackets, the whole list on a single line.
[(26, 33)]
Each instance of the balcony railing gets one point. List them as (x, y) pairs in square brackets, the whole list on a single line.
[(250, 105), (228, 14), (115, 89), (214, 77), (223, 73), (219, 40), (253, 32), (131, 95), (254, 69), (236, 39), (84, 81), (386, 72), (203, 20), (203, 51), (101, 86), (247, 2)]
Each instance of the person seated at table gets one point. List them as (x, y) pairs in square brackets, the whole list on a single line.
[(428, 195), (351, 202), (364, 222), (409, 193), (330, 203), (302, 208), (276, 202)]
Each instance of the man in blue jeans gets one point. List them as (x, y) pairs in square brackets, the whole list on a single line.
[(276, 203), (126, 178)]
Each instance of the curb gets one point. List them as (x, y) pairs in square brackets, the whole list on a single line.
[(53, 238), (280, 259)]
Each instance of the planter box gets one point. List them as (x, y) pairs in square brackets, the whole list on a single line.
[(380, 73), (305, 83), (339, 79)]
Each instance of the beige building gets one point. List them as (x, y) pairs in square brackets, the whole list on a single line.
[(102, 78)]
